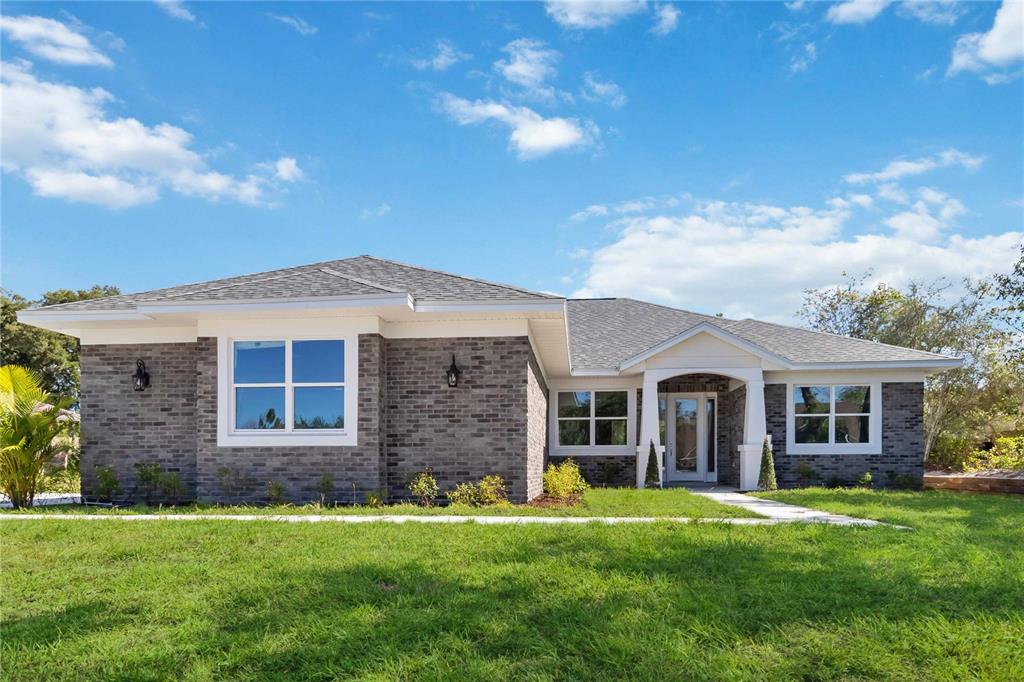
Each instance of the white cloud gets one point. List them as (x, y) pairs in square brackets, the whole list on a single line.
[(595, 90), (529, 65), (902, 167), (666, 18), (862, 200), (630, 206), (801, 61), (52, 40), (796, 5), (589, 14), (299, 24), (176, 9), (856, 11), (890, 191), (928, 217), (1001, 46), (379, 211), (60, 139), (942, 12), (287, 169), (532, 135), (756, 260), (445, 56)]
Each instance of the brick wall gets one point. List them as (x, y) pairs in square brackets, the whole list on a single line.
[(241, 474), (461, 433), (900, 462), (536, 428), (122, 428)]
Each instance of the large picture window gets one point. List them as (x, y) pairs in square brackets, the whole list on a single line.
[(288, 385), (587, 418), (833, 417)]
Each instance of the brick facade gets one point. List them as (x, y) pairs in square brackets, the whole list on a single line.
[(901, 462), (495, 422), (123, 428)]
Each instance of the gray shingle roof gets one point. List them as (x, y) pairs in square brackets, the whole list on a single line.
[(604, 333), (359, 276)]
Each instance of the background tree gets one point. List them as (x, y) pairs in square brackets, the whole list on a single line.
[(52, 356), (962, 404)]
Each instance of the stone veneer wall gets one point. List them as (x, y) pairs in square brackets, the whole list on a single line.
[(240, 474), (461, 434), (900, 463), (122, 428)]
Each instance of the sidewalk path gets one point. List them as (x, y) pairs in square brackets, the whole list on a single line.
[(780, 512)]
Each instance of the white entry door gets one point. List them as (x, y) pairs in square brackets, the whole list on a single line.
[(691, 431)]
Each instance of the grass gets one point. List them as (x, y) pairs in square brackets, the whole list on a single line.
[(213, 600), (672, 502)]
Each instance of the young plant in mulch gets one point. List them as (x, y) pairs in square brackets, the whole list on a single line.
[(423, 487), (767, 481), (564, 486), (325, 487), (652, 479)]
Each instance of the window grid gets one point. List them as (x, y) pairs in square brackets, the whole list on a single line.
[(592, 419), (289, 390), (832, 413)]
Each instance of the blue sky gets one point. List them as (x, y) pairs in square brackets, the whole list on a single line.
[(720, 157)]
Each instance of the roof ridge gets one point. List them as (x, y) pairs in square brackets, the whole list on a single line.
[(842, 336), (360, 280), (224, 286), (661, 305), (463, 277)]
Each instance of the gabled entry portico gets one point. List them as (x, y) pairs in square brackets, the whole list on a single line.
[(668, 406)]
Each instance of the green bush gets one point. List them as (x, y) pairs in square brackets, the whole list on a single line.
[(467, 494), (766, 480), (951, 452), (172, 487), (155, 482), (423, 487), (375, 498), (275, 491), (1008, 453), (804, 474), (491, 490), (325, 487), (652, 478), (864, 480), (563, 481), (107, 484)]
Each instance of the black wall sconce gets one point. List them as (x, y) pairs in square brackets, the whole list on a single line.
[(453, 373), (140, 380)]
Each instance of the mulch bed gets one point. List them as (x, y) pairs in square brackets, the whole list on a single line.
[(545, 501)]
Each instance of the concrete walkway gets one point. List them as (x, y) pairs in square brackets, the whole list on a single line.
[(780, 512), (45, 499)]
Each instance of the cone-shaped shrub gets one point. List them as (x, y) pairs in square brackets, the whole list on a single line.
[(766, 481), (651, 477)]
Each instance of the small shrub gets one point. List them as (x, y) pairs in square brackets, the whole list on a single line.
[(835, 481), (950, 452), (172, 487), (766, 480), (491, 490), (107, 484), (652, 478), (804, 474), (611, 472), (1007, 453), (275, 492), (375, 498), (563, 481), (148, 476), (864, 480), (325, 487), (231, 482), (423, 487), (467, 494)]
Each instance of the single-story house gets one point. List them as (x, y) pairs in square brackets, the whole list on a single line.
[(366, 371)]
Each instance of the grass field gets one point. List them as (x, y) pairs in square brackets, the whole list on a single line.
[(674, 502), (215, 600)]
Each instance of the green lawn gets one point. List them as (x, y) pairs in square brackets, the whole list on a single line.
[(674, 502), (216, 600)]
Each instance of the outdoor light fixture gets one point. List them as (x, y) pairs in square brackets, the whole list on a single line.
[(140, 380), (453, 373)]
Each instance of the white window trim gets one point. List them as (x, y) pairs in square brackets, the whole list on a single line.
[(593, 450), (872, 447), (227, 436)]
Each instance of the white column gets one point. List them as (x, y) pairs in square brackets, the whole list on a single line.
[(648, 430), (754, 432)]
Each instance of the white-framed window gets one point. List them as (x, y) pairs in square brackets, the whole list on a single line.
[(598, 418), (286, 391), (834, 418)]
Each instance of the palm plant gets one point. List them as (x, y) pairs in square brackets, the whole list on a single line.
[(32, 433)]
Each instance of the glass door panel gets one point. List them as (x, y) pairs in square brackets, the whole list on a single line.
[(712, 436), (686, 445)]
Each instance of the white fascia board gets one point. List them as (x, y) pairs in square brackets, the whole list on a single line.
[(706, 328), (936, 364), (517, 306), (373, 301), (42, 317), (594, 372)]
